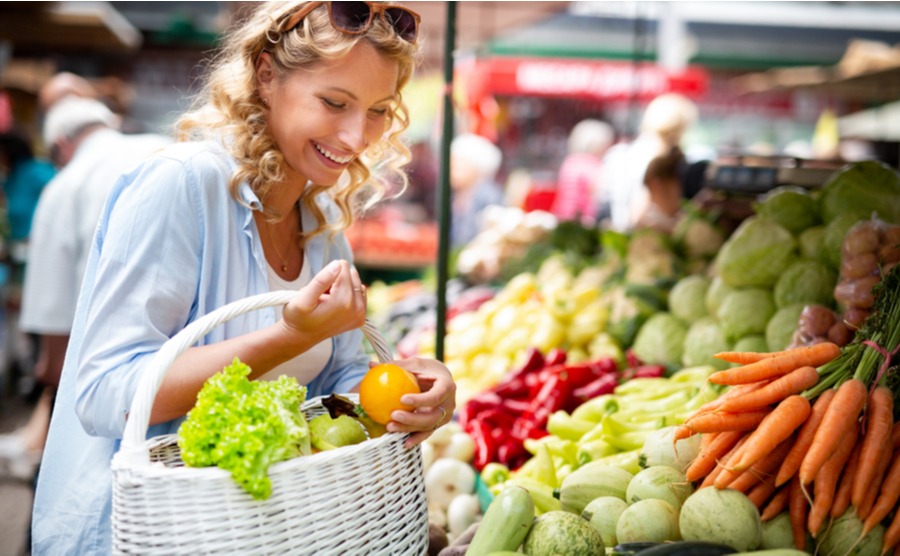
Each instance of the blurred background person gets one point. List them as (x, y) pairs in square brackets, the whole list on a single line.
[(664, 192), (91, 153), (474, 164), (664, 123), (579, 194)]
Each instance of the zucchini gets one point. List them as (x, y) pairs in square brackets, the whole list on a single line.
[(505, 523), (631, 548), (688, 548)]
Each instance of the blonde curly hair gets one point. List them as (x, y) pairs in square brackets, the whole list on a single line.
[(229, 107)]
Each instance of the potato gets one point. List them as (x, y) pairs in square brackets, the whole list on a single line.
[(860, 266), (816, 320), (861, 238)]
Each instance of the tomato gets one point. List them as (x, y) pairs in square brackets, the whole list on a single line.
[(381, 389)]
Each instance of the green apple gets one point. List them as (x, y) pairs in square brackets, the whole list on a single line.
[(327, 433)]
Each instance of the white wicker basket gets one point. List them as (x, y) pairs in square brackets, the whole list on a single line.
[(363, 499)]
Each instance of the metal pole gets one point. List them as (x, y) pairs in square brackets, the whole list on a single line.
[(444, 196)]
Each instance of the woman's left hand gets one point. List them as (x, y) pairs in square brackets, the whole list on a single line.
[(434, 406)]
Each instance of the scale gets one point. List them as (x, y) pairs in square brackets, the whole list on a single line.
[(754, 174)]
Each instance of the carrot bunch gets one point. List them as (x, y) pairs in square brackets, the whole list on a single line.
[(811, 430)]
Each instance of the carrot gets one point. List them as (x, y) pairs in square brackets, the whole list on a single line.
[(774, 429), (777, 504), (891, 535), (879, 420), (865, 508), (826, 482), (682, 432), (732, 392), (895, 437), (887, 498), (792, 383), (711, 477), (798, 506), (761, 493), (842, 414), (708, 457), (778, 365), (761, 470), (717, 421), (792, 460), (746, 357), (845, 486)]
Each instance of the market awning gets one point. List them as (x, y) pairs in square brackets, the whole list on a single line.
[(868, 71), (583, 79), (71, 25)]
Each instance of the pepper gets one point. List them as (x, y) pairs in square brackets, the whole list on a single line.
[(555, 357), (516, 383), (485, 447), (478, 404), (598, 387)]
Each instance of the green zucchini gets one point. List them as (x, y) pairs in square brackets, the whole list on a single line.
[(688, 548), (631, 548), (505, 523)]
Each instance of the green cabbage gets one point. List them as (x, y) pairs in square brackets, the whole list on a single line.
[(754, 342), (811, 243), (860, 189), (687, 298), (715, 294), (745, 311), (698, 237), (244, 426), (781, 327), (756, 254), (660, 341), (805, 281), (791, 207), (705, 338)]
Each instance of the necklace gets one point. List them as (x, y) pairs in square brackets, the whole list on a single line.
[(291, 250)]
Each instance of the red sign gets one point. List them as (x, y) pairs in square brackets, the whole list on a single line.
[(589, 79)]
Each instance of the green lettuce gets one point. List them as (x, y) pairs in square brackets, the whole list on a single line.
[(792, 207), (807, 282), (660, 341), (745, 311), (860, 189), (245, 426)]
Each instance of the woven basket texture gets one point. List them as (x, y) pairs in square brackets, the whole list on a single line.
[(364, 499)]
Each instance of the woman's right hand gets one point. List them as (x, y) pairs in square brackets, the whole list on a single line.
[(332, 303)]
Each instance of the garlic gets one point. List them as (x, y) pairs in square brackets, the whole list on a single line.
[(447, 478)]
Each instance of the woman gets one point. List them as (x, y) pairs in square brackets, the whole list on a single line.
[(302, 101)]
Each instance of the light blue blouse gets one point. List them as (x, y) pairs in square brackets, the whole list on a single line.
[(171, 245)]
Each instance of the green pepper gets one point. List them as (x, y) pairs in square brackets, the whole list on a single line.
[(494, 473), (594, 450), (542, 494), (563, 425), (595, 409)]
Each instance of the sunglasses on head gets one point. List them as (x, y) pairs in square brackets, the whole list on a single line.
[(355, 18)]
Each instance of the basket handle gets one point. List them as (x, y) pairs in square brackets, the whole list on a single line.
[(133, 439)]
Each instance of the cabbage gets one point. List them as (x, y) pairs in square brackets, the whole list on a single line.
[(745, 311), (705, 338), (811, 242), (791, 207), (806, 281), (781, 327), (698, 237), (755, 342), (715, 294), (860, 189), (687, 298), (661, 341), (833, 239), (756, 254)]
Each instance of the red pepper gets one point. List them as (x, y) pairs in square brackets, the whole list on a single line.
[(555, 356), (516, 383), (516, 407), (512, 454), (481, 402), (603, 366), (603, 385), (649, 371), (497, 419), (485, 446), (631, 359)]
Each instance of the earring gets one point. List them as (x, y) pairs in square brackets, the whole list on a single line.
[(265, 101)]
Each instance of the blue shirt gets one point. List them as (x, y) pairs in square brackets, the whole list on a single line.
[(171, 245), (22, 188)]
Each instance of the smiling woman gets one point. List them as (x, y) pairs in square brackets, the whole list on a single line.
[(300, 103)]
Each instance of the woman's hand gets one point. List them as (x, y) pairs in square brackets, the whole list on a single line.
[(332, 303), (434, 406)]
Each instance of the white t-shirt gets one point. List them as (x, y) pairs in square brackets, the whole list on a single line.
[(310, 363), (64, 223)]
